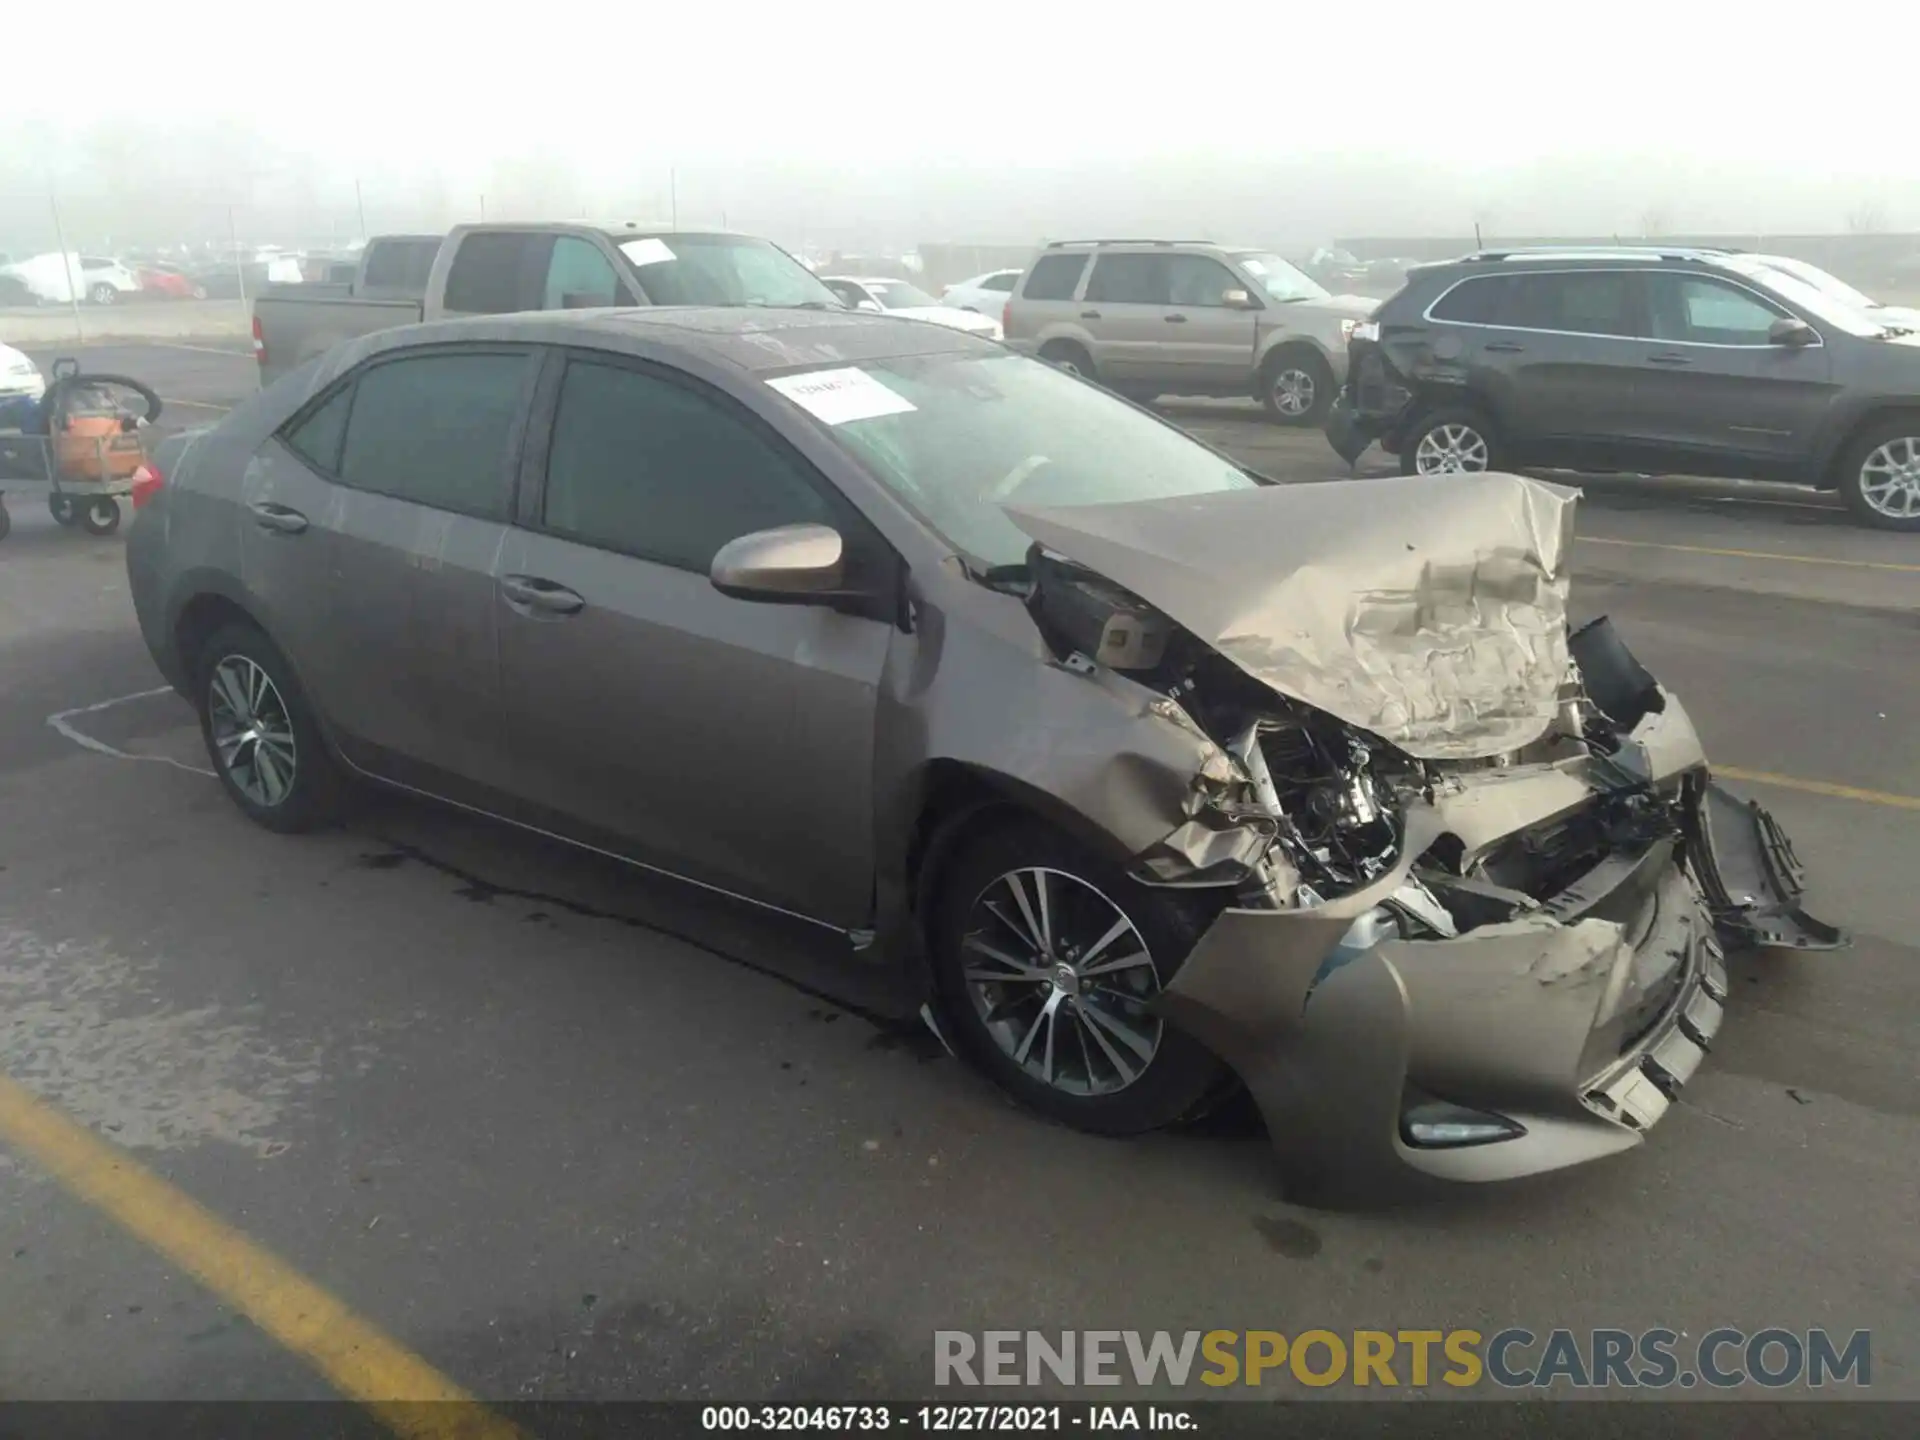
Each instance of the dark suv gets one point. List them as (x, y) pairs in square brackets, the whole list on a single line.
[(1644, 360)]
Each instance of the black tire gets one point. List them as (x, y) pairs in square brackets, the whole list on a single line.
[(63, 510), (99, 516), (1893, 447), (1178, 1078), (1071, 357), (1138, 394), (313, 797), (1457, 418), (6, 523), (103, 294), (1296, 386)]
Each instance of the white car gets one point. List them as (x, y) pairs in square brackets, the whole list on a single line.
[(897, 297), (19, 376), (104, 281), (1894, 317), (984, 294)]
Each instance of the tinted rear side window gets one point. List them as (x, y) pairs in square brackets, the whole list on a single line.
[(1054, 277), (660, 470), (437, 430), (1130, 280), (400, 264), (1578, 302), (486, 277), (316, 439), (1472, 302)]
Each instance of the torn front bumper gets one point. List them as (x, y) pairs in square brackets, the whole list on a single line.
[(1574, 1025)]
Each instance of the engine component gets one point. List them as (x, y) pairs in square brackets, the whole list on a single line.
[(1619, 684), (1079, 611)]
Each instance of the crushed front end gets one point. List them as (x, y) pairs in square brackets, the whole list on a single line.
[(1374, 404)]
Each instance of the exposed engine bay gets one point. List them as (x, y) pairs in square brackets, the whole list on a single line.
[(1319, 807)]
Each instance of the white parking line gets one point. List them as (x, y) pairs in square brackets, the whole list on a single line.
[(63, 722), (195, 349)]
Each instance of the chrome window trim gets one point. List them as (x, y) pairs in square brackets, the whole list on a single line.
[(1771, 302)]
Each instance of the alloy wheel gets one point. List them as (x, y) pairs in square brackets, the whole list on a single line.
[(1890, 479), (1063, 981), (1450, 449), (252, 731), (1293, 393)]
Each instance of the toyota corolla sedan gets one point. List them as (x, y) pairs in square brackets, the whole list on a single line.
[(1137, 776)]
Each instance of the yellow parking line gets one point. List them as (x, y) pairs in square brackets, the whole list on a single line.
[(361, 1362), (1752, 554), (194, 404), (1820, 787)]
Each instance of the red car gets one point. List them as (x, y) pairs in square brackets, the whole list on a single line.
[(171, 283)]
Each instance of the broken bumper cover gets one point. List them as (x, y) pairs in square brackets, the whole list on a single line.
[(1547, 1040)]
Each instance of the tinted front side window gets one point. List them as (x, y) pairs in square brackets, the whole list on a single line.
[(1695, 309), (1196, 280), (1584, 302), (1054, 277), (1130, 280), (657, 469), (485, 276), (578, 273), (437, 429), (317, 438)]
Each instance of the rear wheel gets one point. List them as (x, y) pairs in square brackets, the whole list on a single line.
[(1069, 357), (63, 510), (101, 516), (103, 294), (261, 735), (1048, 962), (1880, 478), (1296, 386), (1449, 442)]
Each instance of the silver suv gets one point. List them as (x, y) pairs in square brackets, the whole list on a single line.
[(1187, 317)]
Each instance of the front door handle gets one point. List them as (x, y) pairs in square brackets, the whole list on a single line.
[(541, 596), (1505, 347), (1089, 314), (1668, 357), (1174, 319), (277, 518)]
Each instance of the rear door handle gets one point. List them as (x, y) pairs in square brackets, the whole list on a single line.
[(1089, 314), (1667, 357), (1174, 319), (1505, 347), (544, 597), (277, 518)]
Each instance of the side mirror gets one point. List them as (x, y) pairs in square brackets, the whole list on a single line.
[(791, 565), (1786, 331), (873, 305), (1238, 300)]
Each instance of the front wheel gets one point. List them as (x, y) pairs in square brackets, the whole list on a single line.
[(1880, 478), (63, 510), (261, 734), (103, 294), (1450, 442), (1297, 387), (1049, 962), (1070, 358)]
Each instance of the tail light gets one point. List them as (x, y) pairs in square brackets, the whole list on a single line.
[(147, 481), (259, 342)]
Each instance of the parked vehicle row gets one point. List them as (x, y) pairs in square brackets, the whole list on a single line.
[(1648, 360), (897, 297)]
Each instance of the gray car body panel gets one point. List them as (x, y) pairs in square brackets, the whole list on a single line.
[(968, 700)]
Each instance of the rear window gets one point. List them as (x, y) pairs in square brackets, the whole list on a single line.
[(1054, 277)]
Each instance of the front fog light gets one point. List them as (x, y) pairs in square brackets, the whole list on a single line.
[(1437, 1125)]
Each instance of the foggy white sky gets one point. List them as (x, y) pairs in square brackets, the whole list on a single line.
[(1621, 109)]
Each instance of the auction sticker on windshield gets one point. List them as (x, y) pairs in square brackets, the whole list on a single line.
[(840, 396), (647, 252)]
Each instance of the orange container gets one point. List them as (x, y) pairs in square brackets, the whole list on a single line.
[(96, 448)]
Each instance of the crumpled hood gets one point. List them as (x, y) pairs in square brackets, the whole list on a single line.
[(1429, 610)]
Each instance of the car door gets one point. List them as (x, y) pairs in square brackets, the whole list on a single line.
[(719, 739), (1125, 311), (1553, 353), (427, 463), (1209, 342), (1719, 394)]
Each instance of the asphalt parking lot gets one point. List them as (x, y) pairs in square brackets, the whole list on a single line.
[(497, 1102)]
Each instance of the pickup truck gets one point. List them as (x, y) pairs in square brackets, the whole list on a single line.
[(500, 269)]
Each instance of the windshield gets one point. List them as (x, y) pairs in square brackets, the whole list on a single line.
[(898, 295), (722, 270), (1280, 279), (1820, 280), (970, 434), (1795, 291)]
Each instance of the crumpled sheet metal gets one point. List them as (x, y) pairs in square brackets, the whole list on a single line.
[(1429, 610)]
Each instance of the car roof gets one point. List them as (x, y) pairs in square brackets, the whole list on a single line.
[(749, 338), (869, 279)]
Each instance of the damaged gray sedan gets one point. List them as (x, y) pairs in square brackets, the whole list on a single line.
[(1140, 776)]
